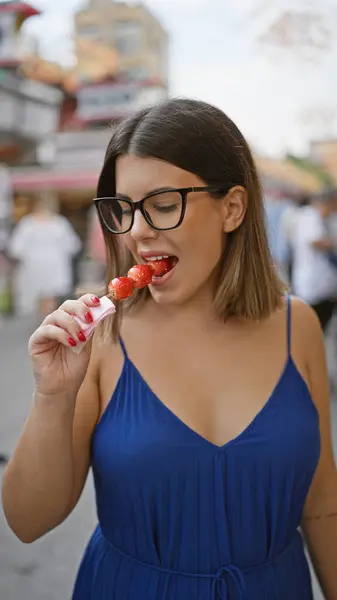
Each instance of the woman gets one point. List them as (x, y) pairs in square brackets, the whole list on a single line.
[(206, 463)]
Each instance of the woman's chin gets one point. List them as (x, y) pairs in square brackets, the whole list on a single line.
[(175, 296), (165, 296)]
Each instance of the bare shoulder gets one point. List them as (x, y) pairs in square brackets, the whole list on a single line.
[(308, 345), (304, 316), (306, 328)]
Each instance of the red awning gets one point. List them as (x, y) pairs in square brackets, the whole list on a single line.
[(49, 180), (20, 8)]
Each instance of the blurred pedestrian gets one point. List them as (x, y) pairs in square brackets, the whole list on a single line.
[(314, 272), (43, 244), (202, 405), (288, 227), (276, 208), (3, 459)]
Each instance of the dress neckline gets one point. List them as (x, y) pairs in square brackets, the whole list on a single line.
[(289, 365)]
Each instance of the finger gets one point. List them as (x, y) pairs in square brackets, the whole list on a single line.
[(90, 299), (48, 333), (68, 322), (81, 307)]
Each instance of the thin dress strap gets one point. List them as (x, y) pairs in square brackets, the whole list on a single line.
[(289, 325), (123, 347)]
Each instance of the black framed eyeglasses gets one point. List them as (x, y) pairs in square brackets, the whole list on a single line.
[(162, 210)]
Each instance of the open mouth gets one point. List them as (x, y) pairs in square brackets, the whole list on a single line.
[(162, 265)]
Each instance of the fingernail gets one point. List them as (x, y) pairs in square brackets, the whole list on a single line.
[(95, 299), (88, 317), (72, 342), (81, 336)]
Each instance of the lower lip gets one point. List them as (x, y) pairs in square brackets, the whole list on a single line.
[(158, 281)]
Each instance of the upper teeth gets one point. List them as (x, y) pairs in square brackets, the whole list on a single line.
[(156, 257)]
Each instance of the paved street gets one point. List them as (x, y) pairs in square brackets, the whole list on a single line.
[(45, 570)]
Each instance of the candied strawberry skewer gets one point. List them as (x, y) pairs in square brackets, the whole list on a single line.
[(161, 266), (141, 275), (120, 288), (138, 277)]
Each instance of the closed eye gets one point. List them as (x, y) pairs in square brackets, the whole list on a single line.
[(166, 209)]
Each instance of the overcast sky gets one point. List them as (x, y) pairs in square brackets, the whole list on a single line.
[(214, 57)]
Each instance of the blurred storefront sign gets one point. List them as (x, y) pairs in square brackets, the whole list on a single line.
[(81, 150), (99, 102), (33, 179)]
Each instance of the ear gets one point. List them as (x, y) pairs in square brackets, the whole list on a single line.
[(235, 206)]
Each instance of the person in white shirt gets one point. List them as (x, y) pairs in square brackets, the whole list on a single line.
[(44, 244), (288, 226), (314, 274)]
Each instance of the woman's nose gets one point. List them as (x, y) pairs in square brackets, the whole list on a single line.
[(141, 229)]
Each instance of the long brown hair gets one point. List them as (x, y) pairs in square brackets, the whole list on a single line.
[(201, 139)]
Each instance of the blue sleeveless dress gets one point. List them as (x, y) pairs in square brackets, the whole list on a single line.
[(183, 519)]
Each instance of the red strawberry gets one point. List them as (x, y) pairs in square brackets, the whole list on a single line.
[(141, 275), (162, 266), (121, 288)]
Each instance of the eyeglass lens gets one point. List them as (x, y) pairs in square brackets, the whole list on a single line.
[(162, 210)]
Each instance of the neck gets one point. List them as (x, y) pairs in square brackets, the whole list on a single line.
[(42, 214), (198, 309)]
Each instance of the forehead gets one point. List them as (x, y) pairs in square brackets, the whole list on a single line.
[(137, 176)]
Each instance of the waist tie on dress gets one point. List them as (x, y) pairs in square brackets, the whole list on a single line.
[(219, 585), (220, 580)]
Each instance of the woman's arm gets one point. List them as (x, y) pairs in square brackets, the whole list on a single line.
[(320, 514), (46, 475)]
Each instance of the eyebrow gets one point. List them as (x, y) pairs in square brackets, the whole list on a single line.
[(154, 191)]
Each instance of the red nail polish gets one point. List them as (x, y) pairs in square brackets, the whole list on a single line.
[(81, 336), (88, 317), (95, 299), (72, 342)]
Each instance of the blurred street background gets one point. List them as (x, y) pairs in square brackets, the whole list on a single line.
[(71, 70)]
